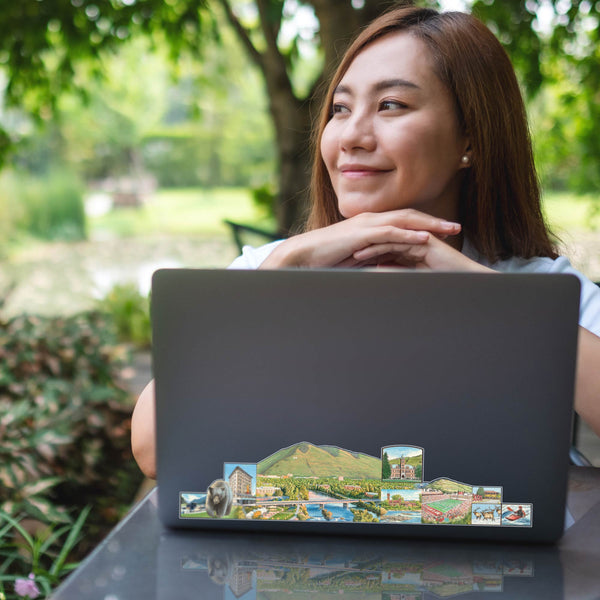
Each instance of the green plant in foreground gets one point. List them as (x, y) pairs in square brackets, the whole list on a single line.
[(44, 556), (64, 422), (130, 312)]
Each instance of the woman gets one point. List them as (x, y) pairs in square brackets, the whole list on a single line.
[(423, 161)]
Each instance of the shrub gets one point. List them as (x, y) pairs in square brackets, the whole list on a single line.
[(40, 558), (130, 311), (48, 207), (65, 421)]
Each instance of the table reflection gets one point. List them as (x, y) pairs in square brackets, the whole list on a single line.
[(250, 566)]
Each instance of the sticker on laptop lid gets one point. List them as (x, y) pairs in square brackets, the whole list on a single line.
[(517, 515), (306, 482)]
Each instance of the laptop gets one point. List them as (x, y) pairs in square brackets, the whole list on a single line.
[(410, 404)]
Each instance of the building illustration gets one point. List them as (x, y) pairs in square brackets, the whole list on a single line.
[(402, 463), (240, 483), (402, 471)]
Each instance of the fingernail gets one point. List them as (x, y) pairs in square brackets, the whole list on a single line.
[(422, 235), (450, 225)]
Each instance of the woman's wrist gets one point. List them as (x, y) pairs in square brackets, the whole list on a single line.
[(285, 255)]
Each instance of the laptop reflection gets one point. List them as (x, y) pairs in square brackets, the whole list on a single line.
[(233, 566)]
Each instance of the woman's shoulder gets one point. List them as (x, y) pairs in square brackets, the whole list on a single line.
[(589, 314), (252, 258)]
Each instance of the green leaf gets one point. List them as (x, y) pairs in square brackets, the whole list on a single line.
[(15, 523), (70, 542), (43, 509), (42, 485)]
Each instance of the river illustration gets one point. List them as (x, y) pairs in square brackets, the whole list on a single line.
[(402, 516), (338, 512), (336, 507)]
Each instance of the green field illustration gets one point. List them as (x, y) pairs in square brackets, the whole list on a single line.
[(308, 460)]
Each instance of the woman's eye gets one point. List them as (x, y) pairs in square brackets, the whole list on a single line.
[(391, 105), (338, 108)]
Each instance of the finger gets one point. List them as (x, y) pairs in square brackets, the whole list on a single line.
[(352, 263), (416, 220), (411, 252), (386, 234)]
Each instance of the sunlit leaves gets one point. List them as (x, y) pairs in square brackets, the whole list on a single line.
[(64, 424), (41, 41)]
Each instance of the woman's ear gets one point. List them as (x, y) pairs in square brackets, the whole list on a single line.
[(466, 157)]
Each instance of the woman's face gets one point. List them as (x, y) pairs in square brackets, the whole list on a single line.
[(393, 140)]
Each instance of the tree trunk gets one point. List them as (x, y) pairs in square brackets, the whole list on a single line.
[(292, 117), (294, 154), (339, 24)]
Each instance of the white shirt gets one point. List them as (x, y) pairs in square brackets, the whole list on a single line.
[(589, 308)]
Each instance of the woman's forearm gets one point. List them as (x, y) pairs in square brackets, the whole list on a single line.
[(587, 385), (143, 432)]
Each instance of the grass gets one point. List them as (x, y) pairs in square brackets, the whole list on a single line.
[(566, 211), (182, 211), (197, 210)]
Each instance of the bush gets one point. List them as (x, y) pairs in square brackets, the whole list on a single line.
[(48, 207), (130, 311), (39, 558), (65, 422)]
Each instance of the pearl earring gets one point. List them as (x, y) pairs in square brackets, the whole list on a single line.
[(465, 159)]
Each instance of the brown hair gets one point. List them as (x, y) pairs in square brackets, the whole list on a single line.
[(499, 206)]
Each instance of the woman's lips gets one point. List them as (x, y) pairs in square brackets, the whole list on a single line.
[(360, 171)]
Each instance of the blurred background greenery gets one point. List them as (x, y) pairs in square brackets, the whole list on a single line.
[(129, 130)]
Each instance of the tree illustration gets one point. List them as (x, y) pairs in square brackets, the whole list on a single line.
[(386, 469)]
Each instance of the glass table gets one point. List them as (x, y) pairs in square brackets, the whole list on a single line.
[(141, 559)]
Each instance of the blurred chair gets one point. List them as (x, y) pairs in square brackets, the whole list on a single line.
[(242, 234)]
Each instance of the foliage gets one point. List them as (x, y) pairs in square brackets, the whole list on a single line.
[(157, 122), (363, 516), (40, 42), (565, 118), (265, 197), (386, 468), (562, 60), (48, 206), (65, 424), (45, 47), (44, 554), (130, 312)]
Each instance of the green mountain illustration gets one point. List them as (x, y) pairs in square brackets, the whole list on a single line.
[(449, 486), (307, 460), (414, 461)]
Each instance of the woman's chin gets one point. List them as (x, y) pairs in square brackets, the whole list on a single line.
[(356, 206)]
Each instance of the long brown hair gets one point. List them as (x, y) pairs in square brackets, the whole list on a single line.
[(499, 205)]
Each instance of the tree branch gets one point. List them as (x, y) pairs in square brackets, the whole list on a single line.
[(243, 35), (270, 29)]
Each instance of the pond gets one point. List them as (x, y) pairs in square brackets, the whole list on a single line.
[(63, 278)]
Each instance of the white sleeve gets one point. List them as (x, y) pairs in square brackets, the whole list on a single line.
[(589, 307), (252, 258)]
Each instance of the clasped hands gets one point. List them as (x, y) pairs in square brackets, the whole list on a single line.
[(404, 238)]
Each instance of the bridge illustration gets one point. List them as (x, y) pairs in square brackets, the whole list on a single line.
[(320, 502)]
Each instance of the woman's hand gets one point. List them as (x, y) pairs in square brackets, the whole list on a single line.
[(434, 254), (335, 245), (401, 238)]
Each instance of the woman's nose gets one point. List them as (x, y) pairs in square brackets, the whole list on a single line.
[(358, 133)]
